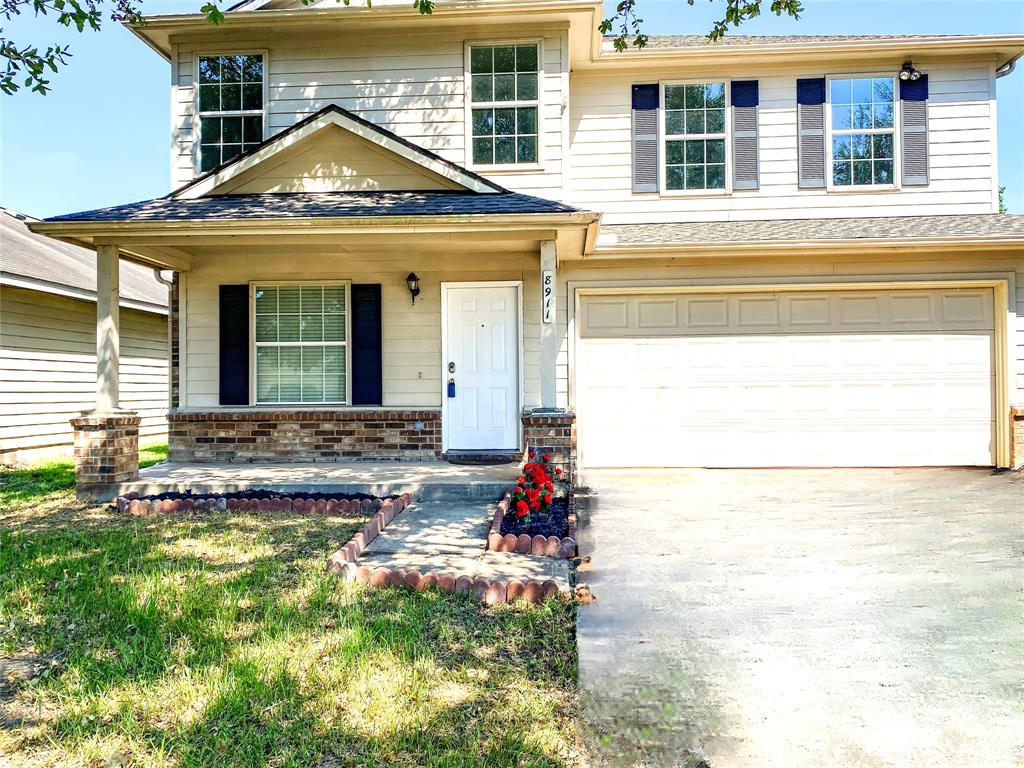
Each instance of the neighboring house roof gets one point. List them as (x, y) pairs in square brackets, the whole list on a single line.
[(333, 115), (991, 226), (42, 263), (287, 205)]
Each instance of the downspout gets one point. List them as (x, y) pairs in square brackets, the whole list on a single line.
[(1006, 69), (170, 349)]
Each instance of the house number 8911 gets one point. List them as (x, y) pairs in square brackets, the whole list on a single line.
[(548, 286)]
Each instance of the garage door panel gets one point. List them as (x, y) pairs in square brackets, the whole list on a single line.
[(826, 379)]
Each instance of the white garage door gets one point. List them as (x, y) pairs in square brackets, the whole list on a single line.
[(831, 378)]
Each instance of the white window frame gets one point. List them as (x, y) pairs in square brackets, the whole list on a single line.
[(277, 283), (198, 116), (663, 138), (896, 148), (536, 103)]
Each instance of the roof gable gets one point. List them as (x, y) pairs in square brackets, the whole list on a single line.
[(335, 150)]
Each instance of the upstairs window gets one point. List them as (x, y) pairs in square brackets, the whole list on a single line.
[(862, 113), (230, 107), (694, 131), (503, 94), (301, 343)]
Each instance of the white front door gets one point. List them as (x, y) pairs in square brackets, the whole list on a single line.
[(481, 367)]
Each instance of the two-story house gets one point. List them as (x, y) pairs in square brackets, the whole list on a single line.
[(403, 236)]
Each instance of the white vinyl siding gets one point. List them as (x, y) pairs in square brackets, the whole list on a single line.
[(413, 85), (412, 366), (48, 370), (961, 126)]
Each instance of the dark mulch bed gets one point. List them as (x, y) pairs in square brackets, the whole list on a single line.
[(259, 494), (554, 522)]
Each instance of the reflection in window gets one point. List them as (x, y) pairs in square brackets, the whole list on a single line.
[(863, 132), (504, 95), (695, 136), (230, 107)]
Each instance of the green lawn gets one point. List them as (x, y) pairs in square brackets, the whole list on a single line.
[(220, 641)]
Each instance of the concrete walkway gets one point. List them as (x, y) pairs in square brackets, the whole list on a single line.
[(803, 618), (438, 536)]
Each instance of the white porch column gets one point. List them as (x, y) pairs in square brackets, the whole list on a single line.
[(108, 328), (549, 326)]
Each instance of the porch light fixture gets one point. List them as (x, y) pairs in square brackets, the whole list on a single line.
[(908, 72), (414, 286)]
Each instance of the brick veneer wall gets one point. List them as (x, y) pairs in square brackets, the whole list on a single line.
[(1017, 436), (553, 432), (106, 450), (285, 435)]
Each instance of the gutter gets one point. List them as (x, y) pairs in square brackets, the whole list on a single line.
[(321, 224), (758, 247)]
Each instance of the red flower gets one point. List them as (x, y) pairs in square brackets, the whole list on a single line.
[(521, 507), (558, 470), (547, 457), (521, 480), (547, 499), (549, 485), (532, 454)]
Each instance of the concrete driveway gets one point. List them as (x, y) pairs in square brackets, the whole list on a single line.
[(804, 618)]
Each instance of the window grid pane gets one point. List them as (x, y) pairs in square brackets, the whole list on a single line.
[(504, 84), (301, 344), (863, 132), (229, 84), (695, 136)]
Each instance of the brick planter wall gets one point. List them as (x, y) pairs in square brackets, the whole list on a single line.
[(1017, 436), (553, 432), (285, 435), (106, 451), (547, 546)]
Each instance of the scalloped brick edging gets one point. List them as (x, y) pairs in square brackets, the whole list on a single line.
[(383, 515), (490, 591), (133, 504), (547, 546)]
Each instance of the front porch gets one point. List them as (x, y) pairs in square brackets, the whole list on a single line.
[(426, 480)]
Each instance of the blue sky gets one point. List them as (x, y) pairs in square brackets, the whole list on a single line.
[(102, 136)]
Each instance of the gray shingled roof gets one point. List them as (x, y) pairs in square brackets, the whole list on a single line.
[(730, 40), (802, 230), (39, 258), (287, 205)]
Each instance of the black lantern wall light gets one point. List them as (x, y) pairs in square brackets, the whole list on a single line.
[(414, 286)]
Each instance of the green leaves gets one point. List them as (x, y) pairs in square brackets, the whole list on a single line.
[(629, 25)]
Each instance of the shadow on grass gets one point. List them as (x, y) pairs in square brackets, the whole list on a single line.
[(22, 484), (225, 631)]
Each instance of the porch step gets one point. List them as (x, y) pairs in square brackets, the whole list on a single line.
[(483, 458)]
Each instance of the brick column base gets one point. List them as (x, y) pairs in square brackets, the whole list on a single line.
[(554, 432), (1017, 436), (106, 451)]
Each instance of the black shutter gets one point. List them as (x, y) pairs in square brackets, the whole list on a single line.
[(744, 134), (367, 338), (810, 110), (914, 130), (645, 138), (234, 345)]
